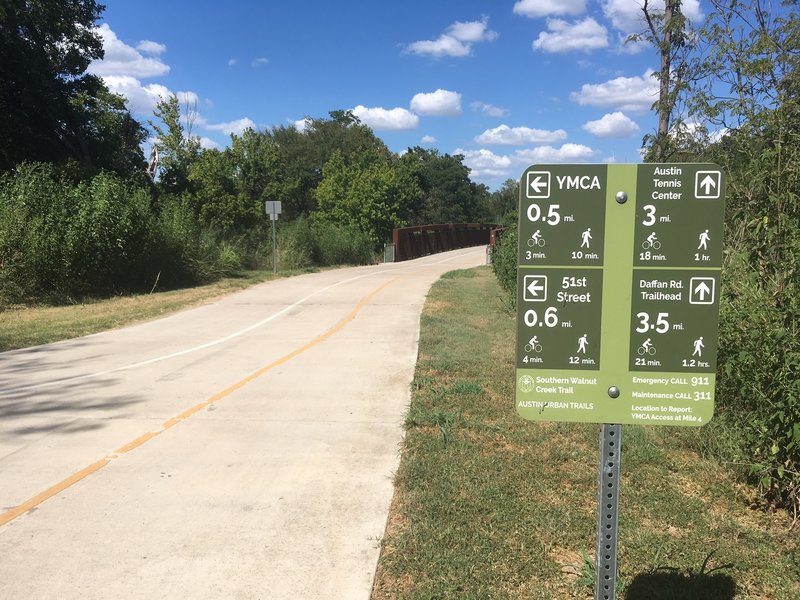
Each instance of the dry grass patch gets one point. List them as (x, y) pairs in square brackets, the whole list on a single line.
[(491, 506), (26, 326)]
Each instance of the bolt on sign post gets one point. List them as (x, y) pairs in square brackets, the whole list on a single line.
[(618, 286), (273, 209)]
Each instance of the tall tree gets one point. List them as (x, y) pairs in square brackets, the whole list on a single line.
[(748, 96), (503, 204), (177, 147), (302, 155), (50, 109), (373, 195), (447, 195), (666, 31)]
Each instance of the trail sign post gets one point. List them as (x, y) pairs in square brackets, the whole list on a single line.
[(273, 208), (618, 293), (617, 307)]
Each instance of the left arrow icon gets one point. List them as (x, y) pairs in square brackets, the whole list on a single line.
[(535, 288), (537, 184)]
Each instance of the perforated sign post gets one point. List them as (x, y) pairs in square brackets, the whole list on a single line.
[(617, 305)]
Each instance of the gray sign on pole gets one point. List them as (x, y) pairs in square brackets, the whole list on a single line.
[(273, 208)]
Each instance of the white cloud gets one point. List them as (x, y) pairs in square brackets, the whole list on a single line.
[(489, 109), (149, 47), (471, 31), (232, 62), (548, 154), (457, 40), (485, 164), (189, 99), (633, 94), (208, 143), (301, 124), (428, 139), (583, 35), (544, 8), (121, 59), (628, 17), (612, 125), (444, 46), (259, 62), (142, 99), (441, 103), (395, 119), (519, 136), (237, 127)]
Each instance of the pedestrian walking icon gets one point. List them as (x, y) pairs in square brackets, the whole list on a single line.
[(582, 341), (704, 238), (586, 236), (698, 347)]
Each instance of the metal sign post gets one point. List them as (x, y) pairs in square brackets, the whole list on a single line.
[(605, 585), (273, 209), (618, 306)]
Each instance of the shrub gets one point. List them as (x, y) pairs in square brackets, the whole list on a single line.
[(504, 262), (758, 386), (341, 245), (108, 235), (33, 216)]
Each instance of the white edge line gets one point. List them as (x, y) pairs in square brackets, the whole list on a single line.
[(217, 341)]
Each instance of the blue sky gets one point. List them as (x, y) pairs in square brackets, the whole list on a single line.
[(505, 83)]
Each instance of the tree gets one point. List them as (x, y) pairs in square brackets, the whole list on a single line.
[(503, 204), (748, 63), (177, 147), (666, 30), (50, 109), (447, 195), (229, 186), (747, 96), (302, 155), (373, 195), (108, 134)]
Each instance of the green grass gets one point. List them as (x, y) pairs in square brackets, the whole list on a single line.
[(488, 505), (25, 326)]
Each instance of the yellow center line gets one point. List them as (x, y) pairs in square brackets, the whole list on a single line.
[(94, 467)]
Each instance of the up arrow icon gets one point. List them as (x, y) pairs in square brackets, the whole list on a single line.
[(707, 184), (701, 290)]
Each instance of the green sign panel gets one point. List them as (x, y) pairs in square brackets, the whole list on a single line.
[(618, 293)]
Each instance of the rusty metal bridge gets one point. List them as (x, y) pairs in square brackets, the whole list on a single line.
[(421, 240)]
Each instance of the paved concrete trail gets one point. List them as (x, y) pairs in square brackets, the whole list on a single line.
[(244, 449)]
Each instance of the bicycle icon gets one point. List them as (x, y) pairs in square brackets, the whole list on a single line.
[(646, 348), (536, 241), (651, 242), (533, 346)]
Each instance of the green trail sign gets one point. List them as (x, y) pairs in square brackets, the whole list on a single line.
[(618, 293)]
